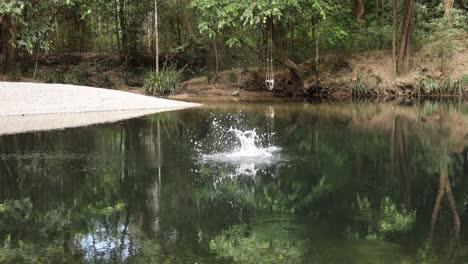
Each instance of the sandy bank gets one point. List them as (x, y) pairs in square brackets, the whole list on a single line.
[(28, 107)]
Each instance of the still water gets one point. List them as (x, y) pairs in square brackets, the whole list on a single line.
[(242, 183)]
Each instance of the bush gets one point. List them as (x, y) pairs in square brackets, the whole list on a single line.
[(63, 78), (105, 79), (164, 83), (440, 37)]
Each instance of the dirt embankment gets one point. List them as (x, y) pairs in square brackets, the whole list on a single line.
[(362, 75)]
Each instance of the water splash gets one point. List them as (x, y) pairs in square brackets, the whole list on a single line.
[(249, 151)]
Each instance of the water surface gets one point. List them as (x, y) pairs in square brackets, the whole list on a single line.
[(242, 183)]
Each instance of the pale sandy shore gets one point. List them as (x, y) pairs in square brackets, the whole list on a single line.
[(27, 107)]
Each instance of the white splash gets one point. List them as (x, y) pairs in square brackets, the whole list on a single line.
[(249, 151)]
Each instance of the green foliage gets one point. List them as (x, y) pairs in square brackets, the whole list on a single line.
[(440, 35), (32, 21), (164, 83)]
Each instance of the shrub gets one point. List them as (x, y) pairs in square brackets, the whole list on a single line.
[(105, 79), (440, 37), (63, 78), (164, 83)]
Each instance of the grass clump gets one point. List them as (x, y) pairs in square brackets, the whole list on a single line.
[(365, 84), (164, 83), (449, 86)]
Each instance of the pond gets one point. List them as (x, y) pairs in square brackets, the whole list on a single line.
[(242, 183)]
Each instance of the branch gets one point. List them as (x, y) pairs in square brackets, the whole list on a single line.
[(288, 63)]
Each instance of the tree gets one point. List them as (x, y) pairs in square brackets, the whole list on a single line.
[(407, 28), (216, 17), (360, 11), (395, 34), (156, 35), (448, 6)]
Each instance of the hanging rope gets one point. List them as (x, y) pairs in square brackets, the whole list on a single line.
[(270, 75)]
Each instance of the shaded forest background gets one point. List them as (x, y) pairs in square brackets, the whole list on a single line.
[(204, 37)]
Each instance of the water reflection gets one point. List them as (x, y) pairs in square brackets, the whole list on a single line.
[(346, 184)]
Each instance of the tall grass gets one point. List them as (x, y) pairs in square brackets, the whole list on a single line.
[(165, 83), (365, 85), (449, 86)]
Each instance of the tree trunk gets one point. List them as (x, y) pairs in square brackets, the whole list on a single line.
[(37, 60), (395, 34), (448, 6), (57, 35), (117, 23), (317, 55), (150, 33), (156, 35), (6, 29), (377, 10), (360, 11), (296, 71), (124, 30), (292, 66), (215, 46), (178, 28), (404, 55), (382, 9)]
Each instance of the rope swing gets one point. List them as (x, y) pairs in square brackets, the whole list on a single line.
[(270, 75)]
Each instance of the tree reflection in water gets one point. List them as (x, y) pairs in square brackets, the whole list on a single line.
[(355, 183)]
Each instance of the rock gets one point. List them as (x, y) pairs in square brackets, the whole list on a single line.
[(236, 93)]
